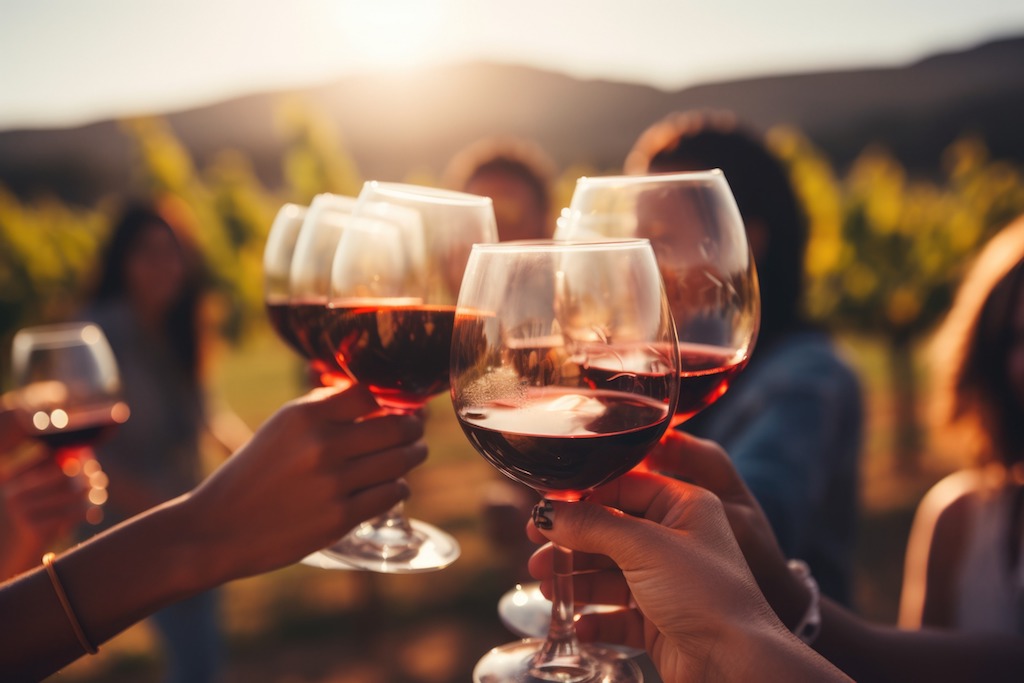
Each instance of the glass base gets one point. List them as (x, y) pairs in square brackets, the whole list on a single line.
[(513, 663), (527, 613), (387, 550)]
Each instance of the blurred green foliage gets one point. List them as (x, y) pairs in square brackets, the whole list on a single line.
[(49, 250), (887, 251), (885, 254)]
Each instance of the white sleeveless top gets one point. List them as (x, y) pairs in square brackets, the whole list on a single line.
[(990, 598)]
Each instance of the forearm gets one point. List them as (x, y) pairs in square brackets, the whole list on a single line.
[(770, 653), (880, 653), (111, 582)]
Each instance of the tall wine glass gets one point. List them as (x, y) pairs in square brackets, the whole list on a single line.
[(565, 373), (390, 320), (69, 389), (700, 242)]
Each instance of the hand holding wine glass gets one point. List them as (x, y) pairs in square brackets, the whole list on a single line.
[(564, 375), (69, 392), (394, 283)]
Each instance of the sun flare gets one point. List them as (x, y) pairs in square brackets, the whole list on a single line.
[(389, 33)]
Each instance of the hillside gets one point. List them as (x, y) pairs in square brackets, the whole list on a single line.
[(396, 124)]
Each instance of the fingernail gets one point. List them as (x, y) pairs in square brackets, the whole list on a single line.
[(544, 515)]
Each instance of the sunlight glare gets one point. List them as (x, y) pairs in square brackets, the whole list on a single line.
[(389, 33)]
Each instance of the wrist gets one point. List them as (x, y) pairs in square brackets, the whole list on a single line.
[(809, 625)]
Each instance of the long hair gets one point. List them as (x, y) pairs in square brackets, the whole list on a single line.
[(687, 141), (180, 325), (974, 392)]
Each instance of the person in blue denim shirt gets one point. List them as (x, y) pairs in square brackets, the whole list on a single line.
[(793, 420)]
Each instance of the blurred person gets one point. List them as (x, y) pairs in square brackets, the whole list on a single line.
[(319, 466), (148, 301), (964, 566), (741, 612), (517, 175), (793, 419), (41, 505)]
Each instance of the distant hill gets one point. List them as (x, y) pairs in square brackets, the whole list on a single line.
[(395, 124)]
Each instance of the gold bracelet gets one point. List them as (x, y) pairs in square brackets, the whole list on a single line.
[(58, 588)]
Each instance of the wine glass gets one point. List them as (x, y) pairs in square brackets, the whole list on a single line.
[(277, 269), (564, 374), (309, 282), (695, 228), (69, 391), (699, 240), (389, 323)]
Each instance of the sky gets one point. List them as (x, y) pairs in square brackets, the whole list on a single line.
[(68, 62)]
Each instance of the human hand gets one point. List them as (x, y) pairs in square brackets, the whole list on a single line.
[(706, 464), (674, 563), (312, 472), (11, 418), (41, 505)]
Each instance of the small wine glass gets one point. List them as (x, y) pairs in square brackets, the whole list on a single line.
[(309, 281), (394, 283), (701, 246), (564, 374), (69, 390), (277, 270)]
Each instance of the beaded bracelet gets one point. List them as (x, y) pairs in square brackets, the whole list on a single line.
[(809, 626), (58, 588)]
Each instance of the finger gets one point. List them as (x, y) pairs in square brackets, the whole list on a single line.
[(594, 588), (625, 627), (343, 405), (698, 461), (629, 541), (39, 460), (542, 561), (40, 483), (381, 466), (371, 502), (369, 436)]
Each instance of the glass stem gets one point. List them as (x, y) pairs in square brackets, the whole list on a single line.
[(561, 650), (395, 519)]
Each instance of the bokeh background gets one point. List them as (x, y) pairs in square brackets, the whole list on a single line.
[(900, 121)]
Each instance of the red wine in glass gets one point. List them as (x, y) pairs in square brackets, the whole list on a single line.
[(279, 315), (401, 353), (67, 432), (705, 373), (563, 441), (301, 325)]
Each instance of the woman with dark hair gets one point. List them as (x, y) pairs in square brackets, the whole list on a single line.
[(792, 421), (963, 567), (149, 292)]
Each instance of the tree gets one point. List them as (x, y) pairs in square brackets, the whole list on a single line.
[(887, 251)]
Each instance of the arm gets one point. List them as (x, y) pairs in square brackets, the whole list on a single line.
[(871, 652), (310, 474), (935, 550)]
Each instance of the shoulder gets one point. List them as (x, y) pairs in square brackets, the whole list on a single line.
[(945, 510), (806, 361)]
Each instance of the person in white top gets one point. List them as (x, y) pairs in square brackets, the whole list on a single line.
[(964, 567)]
